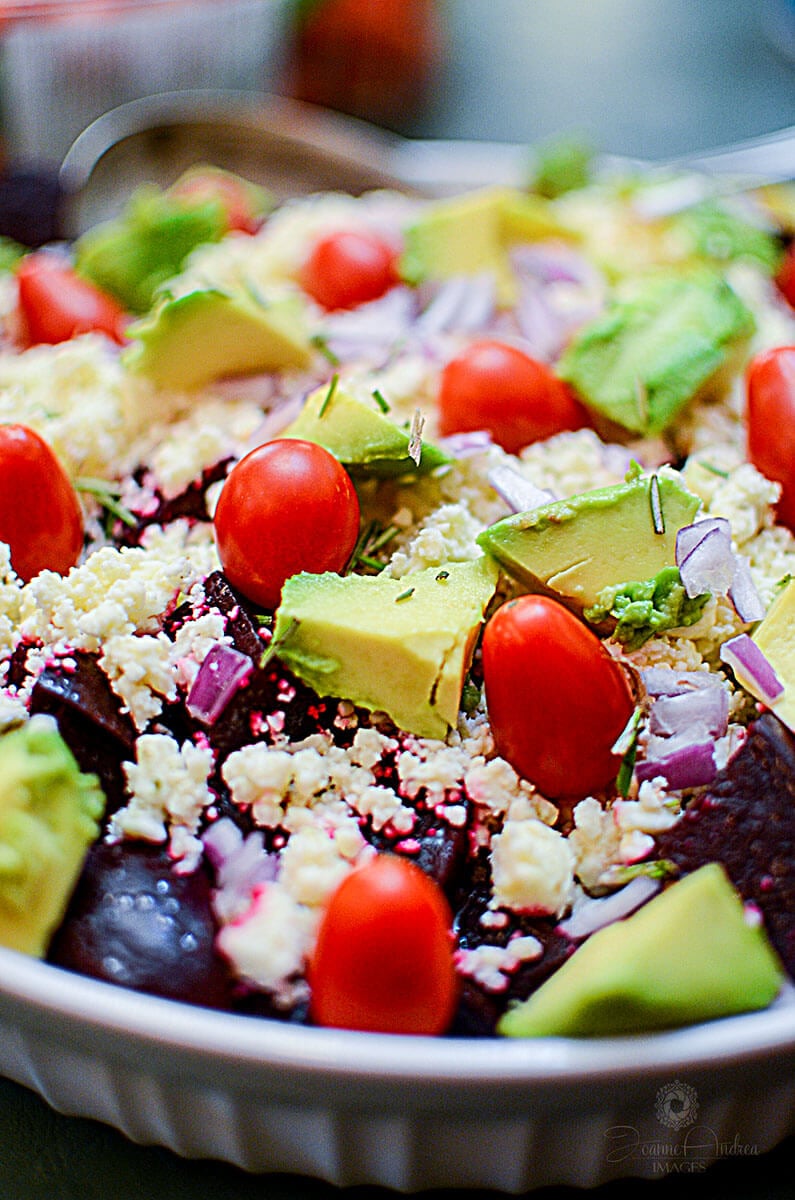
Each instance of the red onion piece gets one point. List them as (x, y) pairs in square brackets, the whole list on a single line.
[(466, 445), (461, 304), (371, 330), (743, 594), (222, 673), (665, 681), (685, 766), (751, 668), (700, 713), (595, 912), (705, 557), (518, 493)]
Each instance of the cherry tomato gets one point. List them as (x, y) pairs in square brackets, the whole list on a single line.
[(348, 268), (40, 514), (770, 416), (288, 506), (56, 304), (785, 279), (200, 186), (383, 960), (556, 699), (494, 386)]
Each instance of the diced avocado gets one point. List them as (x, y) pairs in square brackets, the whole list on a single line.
[(774, 637), (49, 814), (472, 234), (132, 255), (649, 355), (688, 955), (207, 334), (642, 609), (360, 434), (400, 646), (580, 546), (714, 231), (563, 165)]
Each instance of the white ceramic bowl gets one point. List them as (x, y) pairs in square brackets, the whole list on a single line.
[(403, 1112)]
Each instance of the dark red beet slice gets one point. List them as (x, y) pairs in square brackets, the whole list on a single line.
[(134, 922), (746, 820), (190, 504)]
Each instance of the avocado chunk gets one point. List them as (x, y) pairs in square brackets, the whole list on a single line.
[(652, 353), (361, 434), (774, 637), (207, 334), (714, 231), (49, 816), (599, 539), (400, 646), (134, 254), (472, 235), (644, 608), (688, 955)]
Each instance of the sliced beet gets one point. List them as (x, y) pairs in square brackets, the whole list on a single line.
[(90, 720), (190, 504), (134, 921), (746, 820)]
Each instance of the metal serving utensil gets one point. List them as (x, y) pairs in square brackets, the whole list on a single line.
[(295, 148)]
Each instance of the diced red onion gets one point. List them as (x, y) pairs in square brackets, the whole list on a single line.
[(704, 712), (752, 668), (222, 673), (241, 865), (221, 840), (595, 912), (743, 594), (276, 421), (461, 304), (540, 326), (686, 766), (371, 330), (665, 681), (554, 262), (466, 445), (518, 493), (705, 557)]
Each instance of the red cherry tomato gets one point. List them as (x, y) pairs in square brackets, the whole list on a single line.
[(349, 268), (55, 304), (770, 416), (288, 506), (556, 699), (200, 186), (785, 278), (40, 514), (383, 960), (494, 386)]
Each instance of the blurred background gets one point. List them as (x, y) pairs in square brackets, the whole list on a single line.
[(648, 78)]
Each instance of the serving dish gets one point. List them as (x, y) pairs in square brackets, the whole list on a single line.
[(407, 1113)]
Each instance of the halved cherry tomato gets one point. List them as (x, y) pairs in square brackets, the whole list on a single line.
[(199, 186), (785, 278), (495, 386), (288, 506), (348, 268), (770, 417), (383, 960), (40, 514), (556, 699), (56, 304)]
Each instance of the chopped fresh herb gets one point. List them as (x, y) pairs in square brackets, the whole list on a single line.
[(655, 499), (263, 619), (404, 595), (371, 539), (443, 575), (627, 745), (380, 401), (321, 343), (329, 396), (659, 868), (708, 466), (107, 494), (470, 696), (276, 644), (634, 471)]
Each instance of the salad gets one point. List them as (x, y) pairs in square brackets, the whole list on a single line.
[(397, 605)]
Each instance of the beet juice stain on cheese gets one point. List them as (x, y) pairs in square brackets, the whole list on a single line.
[(412, 607)]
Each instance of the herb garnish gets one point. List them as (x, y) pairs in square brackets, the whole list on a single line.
[(107, 494), (380, 400), (404, 595), (329, 396)]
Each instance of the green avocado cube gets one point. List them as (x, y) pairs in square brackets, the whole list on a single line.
[(599, 539), (361, 435), (208, 334), (49, 816), (649, 355), (689, 955), (400, 646)]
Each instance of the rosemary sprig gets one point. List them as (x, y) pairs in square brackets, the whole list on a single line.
[(107, 495), (329, 396)]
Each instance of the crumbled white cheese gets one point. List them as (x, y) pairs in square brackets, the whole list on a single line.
[(532, 868), (268, 944), (168, 790)]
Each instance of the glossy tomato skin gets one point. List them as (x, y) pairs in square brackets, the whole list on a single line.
[(288, 506), (770, 419), (40, 514), (56, 304), (348, 268), (495, 386), (556, 699), (383, 960)]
